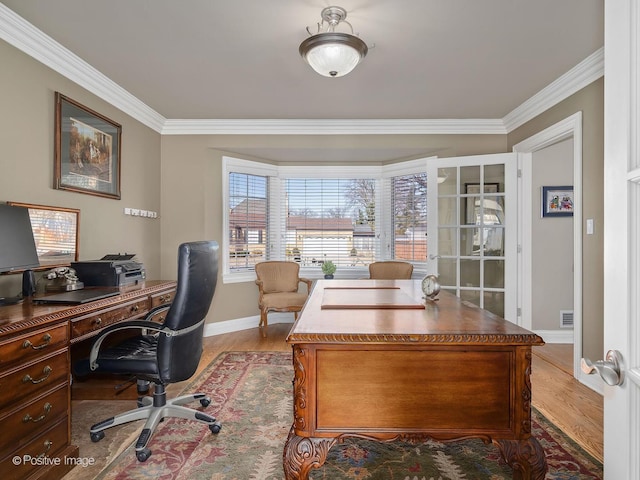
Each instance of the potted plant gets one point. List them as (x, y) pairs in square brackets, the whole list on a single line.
[(328, 268)]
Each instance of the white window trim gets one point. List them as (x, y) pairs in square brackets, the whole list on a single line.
[(381, 173), (237, 165)]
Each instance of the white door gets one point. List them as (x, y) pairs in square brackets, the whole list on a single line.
[(471, 232), (622, 237)]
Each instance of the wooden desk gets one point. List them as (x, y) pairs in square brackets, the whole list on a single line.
[(35, 375), (449, 371)]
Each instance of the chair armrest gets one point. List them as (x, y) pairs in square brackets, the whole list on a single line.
[(260, 290), (133, 324), (308, 281), (156, 310)]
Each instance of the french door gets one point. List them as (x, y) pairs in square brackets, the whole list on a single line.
[(622, 239), (472, 229)]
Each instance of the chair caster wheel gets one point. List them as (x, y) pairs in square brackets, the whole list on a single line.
[(215, 427), (96, 437), (143, 455), (205, 402)]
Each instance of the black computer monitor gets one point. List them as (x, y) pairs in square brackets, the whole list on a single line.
[(17, 245)]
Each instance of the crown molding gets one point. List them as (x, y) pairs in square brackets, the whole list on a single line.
[(332, 127), (586, 72), (24, 36), (35, 43)]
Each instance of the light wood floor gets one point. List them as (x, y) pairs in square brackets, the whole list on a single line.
[(574, 408)]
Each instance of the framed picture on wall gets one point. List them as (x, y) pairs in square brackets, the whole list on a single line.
[(557, 201), (87, 150), (55, 232)]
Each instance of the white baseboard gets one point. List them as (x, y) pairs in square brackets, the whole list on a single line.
[(556, 336), (238, 324)]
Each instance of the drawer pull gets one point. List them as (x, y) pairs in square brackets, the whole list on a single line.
[(28, 418), (97, 321), (46, 338), (165, 298), (46, 371), (135, 308), (47, 447)]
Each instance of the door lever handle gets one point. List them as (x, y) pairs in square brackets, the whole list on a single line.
[(608, 369)]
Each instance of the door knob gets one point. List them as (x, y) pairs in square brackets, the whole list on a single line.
[(433, 257), (608, 369)]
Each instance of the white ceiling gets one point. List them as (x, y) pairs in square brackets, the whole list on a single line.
[(432, 59)]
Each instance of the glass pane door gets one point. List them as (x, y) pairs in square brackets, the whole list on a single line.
[(471, 239)]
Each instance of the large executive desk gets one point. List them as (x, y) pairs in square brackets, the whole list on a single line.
[(373, 360), (36, 342)]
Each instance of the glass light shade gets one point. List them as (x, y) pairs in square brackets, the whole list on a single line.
[(333, 54)]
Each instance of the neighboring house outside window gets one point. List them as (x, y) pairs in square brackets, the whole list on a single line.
[(313, 214)]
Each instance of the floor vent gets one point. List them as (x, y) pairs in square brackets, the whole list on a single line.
[(566, 318)]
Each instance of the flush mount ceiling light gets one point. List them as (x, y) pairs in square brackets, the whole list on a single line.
[(331, 53)]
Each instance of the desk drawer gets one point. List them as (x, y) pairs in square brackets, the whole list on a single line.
[(34, 379), (48, 446), (162, 298), (22, 424), (89, 324), (33, 345)]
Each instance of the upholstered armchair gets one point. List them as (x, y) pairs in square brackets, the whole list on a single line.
[(278, 286), (390, 270)]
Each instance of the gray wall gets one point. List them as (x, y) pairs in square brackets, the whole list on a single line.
[(552, 245), (27, 90), (590, 101), (192, 188)]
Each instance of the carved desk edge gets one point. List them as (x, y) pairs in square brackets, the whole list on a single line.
[(427, 338), (28, 320)]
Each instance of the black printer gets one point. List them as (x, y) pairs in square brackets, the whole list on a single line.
[(113, 270)]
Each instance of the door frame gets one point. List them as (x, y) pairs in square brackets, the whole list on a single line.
[(570, 127)]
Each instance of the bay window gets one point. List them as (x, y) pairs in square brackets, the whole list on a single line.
[(350, 215)]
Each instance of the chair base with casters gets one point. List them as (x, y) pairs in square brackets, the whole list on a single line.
[(154, 410)]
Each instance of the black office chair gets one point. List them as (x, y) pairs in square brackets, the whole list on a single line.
[(165, 352)]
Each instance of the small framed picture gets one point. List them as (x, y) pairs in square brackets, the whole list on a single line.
[(87, 150), (557, 201), (55, 232)]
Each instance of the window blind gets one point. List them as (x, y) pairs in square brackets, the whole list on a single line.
[(248, 220), (329, 219)]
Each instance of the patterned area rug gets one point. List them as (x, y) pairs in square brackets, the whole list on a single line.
[(251, 395)]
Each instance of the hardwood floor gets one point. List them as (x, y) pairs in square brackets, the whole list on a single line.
[(574, 408)]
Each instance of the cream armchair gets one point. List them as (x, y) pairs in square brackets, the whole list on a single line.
[(278, 286), (390, 270)]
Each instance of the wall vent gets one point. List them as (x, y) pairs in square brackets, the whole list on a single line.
[(566, 318)]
